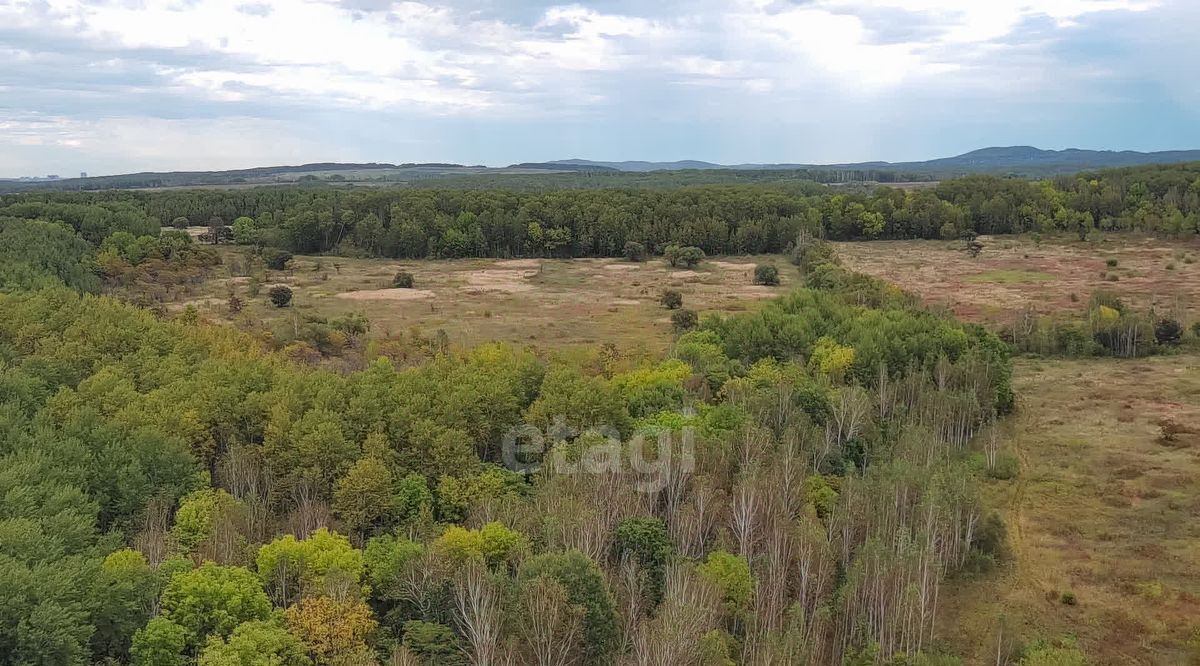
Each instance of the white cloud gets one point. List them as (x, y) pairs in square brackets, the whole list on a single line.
[(420, 56)]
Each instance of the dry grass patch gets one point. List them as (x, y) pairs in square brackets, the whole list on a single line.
[(387, 295), (544, 302), (1100, 508), (1014, 273)]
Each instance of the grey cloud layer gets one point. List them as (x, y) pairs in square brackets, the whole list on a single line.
[(291, 67)]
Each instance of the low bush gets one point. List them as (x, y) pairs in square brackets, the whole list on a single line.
[(276, 260), (684, 320), (281, 295), (766, 274), (1168, 331), (403, 280), (1007, 467)]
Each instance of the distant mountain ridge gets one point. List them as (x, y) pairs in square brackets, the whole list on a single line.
[(1020, 159)]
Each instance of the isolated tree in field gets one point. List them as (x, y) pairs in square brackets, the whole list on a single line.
[(686, 257), (281, 295), (181, 222), (972, 246), (634, 251), (276, 260), (1167, 331), (403, 280), (218, 232), (766, 274), (672, 299)]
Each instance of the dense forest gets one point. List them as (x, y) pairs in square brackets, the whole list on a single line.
[(719, 219)]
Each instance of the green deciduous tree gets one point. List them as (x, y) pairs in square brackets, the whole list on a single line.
[(213, 600), (584, 583), (255, 643)]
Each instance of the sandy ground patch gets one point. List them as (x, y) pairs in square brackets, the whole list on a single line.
[(621, 267), (624, 301), (501, 280), (244, 279), (519, 263), (758, 291), (732, 266), (387, 294), (203, 302)]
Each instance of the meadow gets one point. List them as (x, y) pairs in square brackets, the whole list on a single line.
[(1052, 276), (547, 303)]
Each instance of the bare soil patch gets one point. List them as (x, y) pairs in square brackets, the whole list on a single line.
[(501, 280), (387, 294), (733, 266), (519, 263)]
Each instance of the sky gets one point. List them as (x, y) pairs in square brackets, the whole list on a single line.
[(114, 86)]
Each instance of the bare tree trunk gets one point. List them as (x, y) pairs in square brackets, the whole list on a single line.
[(477, 609)]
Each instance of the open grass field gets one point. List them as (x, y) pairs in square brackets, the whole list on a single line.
[(1053, 276), (544, 302), (1103, 509)]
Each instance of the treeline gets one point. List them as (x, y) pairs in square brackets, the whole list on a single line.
[(726, 219), (790, 486)]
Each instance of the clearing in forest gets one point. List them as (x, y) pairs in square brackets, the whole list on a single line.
[(545, 302)]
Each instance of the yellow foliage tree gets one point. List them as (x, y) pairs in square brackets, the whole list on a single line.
[(830, 358), (333, 629)]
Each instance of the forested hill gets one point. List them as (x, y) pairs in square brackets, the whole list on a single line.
[(1025, 161), (1020, 160)]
